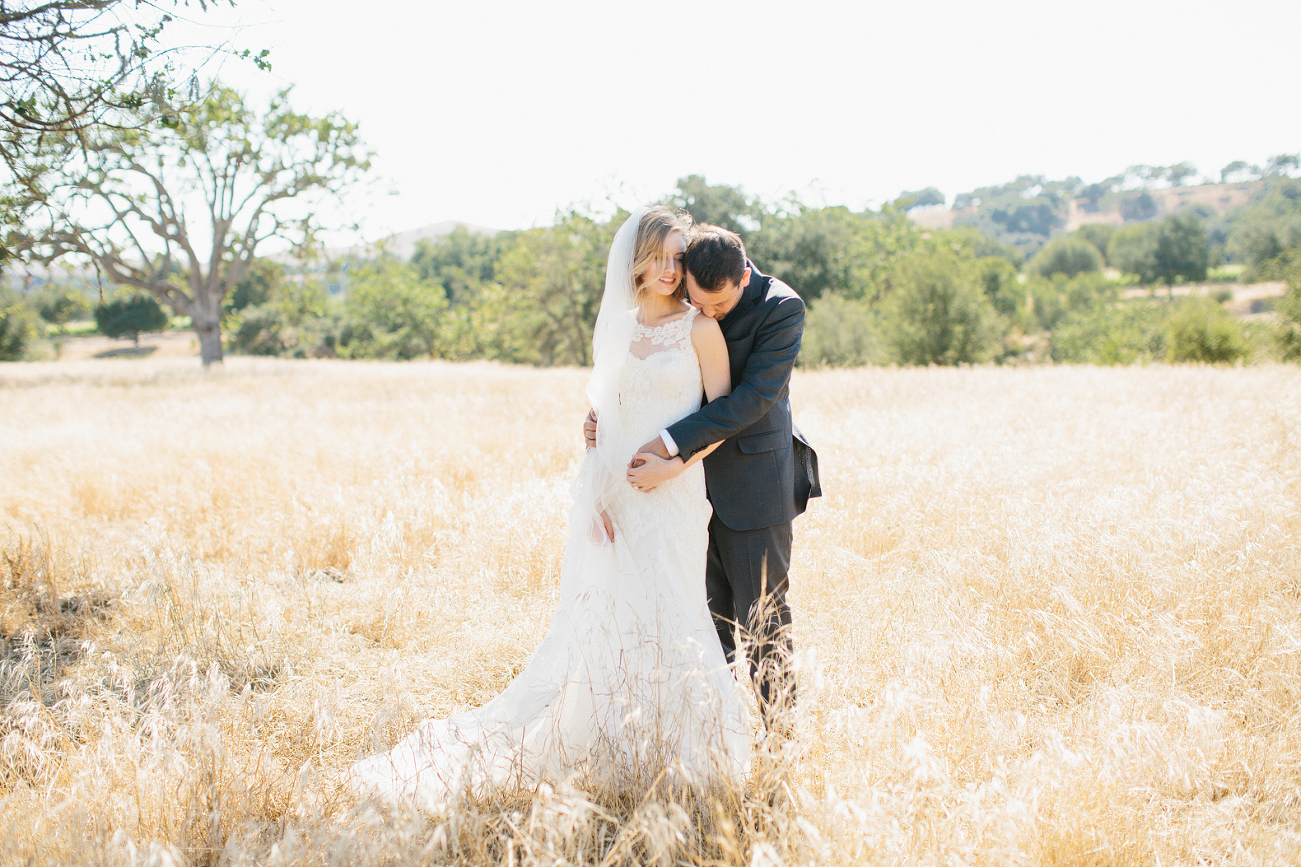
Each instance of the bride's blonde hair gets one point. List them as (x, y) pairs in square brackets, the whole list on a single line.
[(656, 225)]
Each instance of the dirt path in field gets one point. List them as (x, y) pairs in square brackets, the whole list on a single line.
[(1245, 301)]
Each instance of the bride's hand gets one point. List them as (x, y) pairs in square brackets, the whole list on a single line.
[(602, 529), (647, 471)]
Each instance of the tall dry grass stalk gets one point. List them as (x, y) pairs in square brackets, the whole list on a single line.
[(1044, 616)]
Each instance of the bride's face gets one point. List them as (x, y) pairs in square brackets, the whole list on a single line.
[(665, 274)]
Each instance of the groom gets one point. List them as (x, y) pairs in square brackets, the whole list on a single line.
[(764, 473)]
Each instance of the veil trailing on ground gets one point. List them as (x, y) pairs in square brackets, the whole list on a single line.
[(605, 469)]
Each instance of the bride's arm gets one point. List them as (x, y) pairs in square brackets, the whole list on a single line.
[(651, 470)]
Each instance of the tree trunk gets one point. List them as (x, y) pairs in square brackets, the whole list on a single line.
[(206, 319), (209, 345)]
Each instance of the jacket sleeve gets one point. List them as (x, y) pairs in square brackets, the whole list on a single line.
[(764, 380)]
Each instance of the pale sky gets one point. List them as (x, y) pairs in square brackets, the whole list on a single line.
[(498, 112)]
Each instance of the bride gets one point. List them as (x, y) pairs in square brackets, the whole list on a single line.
[(630, 677)]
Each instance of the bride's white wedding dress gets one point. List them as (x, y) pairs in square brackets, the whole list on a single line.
[(631, 676)]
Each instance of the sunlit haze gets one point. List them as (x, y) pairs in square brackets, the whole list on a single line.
[(499, 112)]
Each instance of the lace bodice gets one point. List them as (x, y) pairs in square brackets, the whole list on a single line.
[(659, 384)]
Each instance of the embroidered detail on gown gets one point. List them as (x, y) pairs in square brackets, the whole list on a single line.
[(630, 676)]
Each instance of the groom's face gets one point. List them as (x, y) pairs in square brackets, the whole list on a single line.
[(717, 304)]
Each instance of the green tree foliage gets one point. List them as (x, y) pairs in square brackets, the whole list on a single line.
[(936, 313), (15, 332), (259, 285), (393, 313), (1180, 173), (555, 277), (1000, 283), (301, 301), (831, 250), (1066, 255), (259, 330), (121, 202), (840, 332), (879, 289), (461, 262), (1052, 299), (1199, 329), (1132, 249), (1180, 251), (976, 244), (1097, 234), (1287, 336), (1138, 206), (1023, 213), (1110, 334), (59, 304), (1238, 171), (297, 319), (1268, 226), (1284, 165), (919, 199), (130, 316), (465, 264), (716, 204), (271, 312)]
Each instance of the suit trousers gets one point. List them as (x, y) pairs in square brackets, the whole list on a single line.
[(745, 579)]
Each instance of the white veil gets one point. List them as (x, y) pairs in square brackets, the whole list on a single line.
[(606, 465)]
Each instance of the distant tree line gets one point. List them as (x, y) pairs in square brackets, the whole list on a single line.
[(880, 289)]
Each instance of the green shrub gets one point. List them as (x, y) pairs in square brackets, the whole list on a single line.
[(1097, 234), (256, 330), (393, 313), (272, 329), (1110, 334), (1053, 299), (261, 285), (1067, 255), (839, 332), (1000, 282), (129, 316), (1287, 337), (1200, 330), (1132, 249), (15, 333), (61, 305), (937, 314)]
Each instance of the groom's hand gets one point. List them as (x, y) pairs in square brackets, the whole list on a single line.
[(654, 447), (640, 478), (589, 429), (647, 471)]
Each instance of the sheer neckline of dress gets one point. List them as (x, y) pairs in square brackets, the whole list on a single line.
[(647, 340)]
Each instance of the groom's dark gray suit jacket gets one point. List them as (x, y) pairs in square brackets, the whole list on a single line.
[(764, 472)]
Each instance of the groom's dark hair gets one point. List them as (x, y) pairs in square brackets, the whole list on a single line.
[(715, 256)]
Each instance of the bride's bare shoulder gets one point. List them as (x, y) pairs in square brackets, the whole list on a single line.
[(704, 328)]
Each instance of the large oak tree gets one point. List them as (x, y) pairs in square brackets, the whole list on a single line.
[(180, 209)]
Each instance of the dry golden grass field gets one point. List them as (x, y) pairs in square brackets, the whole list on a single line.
[(1043, 616)]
